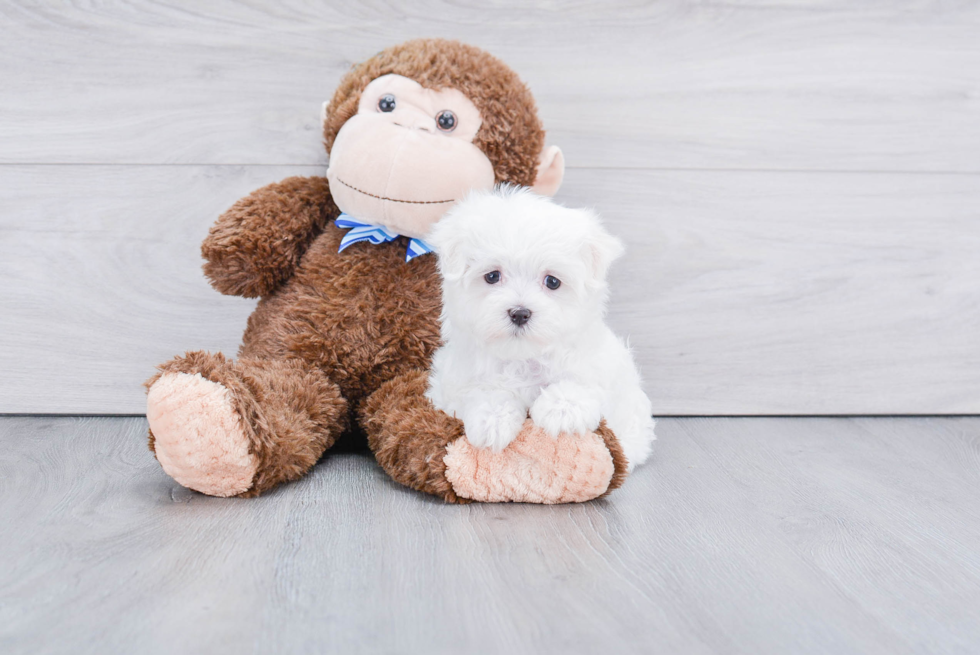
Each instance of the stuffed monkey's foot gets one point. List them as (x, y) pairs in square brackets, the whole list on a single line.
[(425, 449), (198, 436), (537, 468), (240, 428)]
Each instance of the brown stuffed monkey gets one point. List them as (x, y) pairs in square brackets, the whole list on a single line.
[(350, 298)]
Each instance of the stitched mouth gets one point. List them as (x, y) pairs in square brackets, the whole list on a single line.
[(410, 202)]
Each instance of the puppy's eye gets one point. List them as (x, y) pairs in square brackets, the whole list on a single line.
[(387, 103), (446, 120), (492, 277), (552, 282)]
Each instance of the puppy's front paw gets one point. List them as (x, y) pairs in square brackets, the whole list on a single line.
[(566, 407), (493, 425)]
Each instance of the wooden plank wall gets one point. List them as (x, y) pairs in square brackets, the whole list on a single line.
[(799, 183)]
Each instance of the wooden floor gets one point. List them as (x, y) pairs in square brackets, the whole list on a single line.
[(752, 535)]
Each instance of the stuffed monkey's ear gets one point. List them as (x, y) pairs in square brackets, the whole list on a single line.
[(601, 249), (551, 171)]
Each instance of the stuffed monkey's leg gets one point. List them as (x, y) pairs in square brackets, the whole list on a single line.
[(409, 436), (425, 449), (240, 428)]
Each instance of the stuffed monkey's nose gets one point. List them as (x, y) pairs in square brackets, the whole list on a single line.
[(519, 315), (417, 121)]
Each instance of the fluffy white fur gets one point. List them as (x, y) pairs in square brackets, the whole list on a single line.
[(564, 366)]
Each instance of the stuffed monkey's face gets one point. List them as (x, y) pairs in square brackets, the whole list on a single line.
[(407, 155)]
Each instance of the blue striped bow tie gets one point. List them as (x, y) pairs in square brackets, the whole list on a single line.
[(376, 234)]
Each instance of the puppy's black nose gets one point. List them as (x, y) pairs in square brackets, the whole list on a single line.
[(519, 315)]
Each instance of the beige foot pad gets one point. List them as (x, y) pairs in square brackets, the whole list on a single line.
[(534, 468), (198, 437)]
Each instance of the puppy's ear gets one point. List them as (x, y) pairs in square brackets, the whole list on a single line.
[(448, 240), (601, 248)]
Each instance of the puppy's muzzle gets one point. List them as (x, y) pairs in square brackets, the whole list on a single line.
[(519, 315)]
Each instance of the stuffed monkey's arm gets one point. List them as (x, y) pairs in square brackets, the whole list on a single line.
[(254, 246)]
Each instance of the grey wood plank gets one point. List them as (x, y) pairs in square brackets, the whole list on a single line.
[(747, 85), (742, 293), (854, 495), (740, 536), (784, 293), (101, 280)]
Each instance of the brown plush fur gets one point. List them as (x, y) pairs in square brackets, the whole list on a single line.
[(619, 459), (291, 413), (409, 436), (363, 315), (255, 246), (343, 336)]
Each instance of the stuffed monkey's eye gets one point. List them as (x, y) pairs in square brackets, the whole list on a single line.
[(387, 103), (446, 120), (552, 282), (492, 277)]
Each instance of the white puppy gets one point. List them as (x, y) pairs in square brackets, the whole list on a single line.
[(524, 294)]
